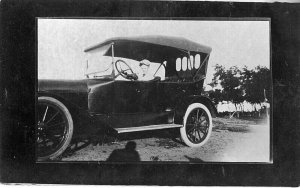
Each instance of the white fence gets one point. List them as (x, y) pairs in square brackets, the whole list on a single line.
[(245, 106)]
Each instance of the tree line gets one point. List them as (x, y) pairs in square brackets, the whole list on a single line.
[(239, 85)]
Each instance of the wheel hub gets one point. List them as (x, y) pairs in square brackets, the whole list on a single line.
[(41, 125)]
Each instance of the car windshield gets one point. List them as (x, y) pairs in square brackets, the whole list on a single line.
[(98, 65)]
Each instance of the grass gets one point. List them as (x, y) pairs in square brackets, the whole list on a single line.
[(235, 124)]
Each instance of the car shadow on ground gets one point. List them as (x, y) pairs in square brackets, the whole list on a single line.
[(168, 138), (194, 159), (76, 145)]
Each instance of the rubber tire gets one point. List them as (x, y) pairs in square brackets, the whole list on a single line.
[(183, 129), (69, 133)]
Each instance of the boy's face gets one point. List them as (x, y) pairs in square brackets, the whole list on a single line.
[(144, 68)]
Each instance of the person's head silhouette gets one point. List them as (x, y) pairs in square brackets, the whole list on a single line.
[(128, 154), (130, 145)]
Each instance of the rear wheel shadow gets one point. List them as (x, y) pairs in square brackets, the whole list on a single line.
[(168, 138), (194, 160), (76, 145)]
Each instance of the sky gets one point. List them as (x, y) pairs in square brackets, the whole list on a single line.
[(234, 43)]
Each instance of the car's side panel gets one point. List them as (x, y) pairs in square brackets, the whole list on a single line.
[(183, 104), (134, 97), (126, 103), (100, 96), (169, 93), (178, 96), (134, 104), (127, 97)]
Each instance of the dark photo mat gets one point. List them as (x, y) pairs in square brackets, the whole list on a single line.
[(18, 79)]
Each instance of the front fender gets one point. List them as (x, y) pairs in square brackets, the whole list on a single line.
[(74, 92), (183, 104)]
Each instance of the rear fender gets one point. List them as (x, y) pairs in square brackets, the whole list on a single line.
[(183, 105)]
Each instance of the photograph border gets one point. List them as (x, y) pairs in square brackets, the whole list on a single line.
[(18, 64)]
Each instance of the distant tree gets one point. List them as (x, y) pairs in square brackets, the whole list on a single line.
[(216, 96), (255, 83), (231, 82), (218, 75), (248, 85), (240, 85), (262, 81)]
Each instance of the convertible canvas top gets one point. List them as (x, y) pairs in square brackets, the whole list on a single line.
[(175, 42)]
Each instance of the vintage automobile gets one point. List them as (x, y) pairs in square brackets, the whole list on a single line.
[(112, 97)]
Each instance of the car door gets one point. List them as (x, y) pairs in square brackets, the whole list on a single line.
[(134, 104), (100, 96)]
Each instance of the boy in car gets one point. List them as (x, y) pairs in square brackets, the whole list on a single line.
[(145, 74)]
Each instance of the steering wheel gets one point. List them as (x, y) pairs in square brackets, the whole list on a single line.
[(123, 72)]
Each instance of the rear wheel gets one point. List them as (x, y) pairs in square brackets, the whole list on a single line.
[(197, 125), (54, 128)]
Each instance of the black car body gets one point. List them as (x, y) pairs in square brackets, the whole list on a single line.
[(68, 108)]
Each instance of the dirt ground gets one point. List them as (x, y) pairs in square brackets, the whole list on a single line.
[(232, 140)]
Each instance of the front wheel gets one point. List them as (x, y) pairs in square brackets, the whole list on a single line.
[(54, 128), (197, 125)]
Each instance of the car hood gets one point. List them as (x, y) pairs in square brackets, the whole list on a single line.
[(62, 85)]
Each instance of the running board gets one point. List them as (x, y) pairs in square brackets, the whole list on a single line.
[(146, 128)]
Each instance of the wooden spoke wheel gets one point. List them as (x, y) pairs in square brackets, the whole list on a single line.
[(197, 125), (54, 128)]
